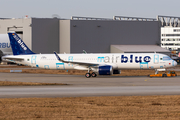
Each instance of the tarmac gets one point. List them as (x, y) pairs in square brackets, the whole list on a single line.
[(79, 86)]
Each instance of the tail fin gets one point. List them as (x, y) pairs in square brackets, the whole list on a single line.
[(18, 46)]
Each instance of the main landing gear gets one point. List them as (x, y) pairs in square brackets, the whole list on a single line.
[(88, 75)]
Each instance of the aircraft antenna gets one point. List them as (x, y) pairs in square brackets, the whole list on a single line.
[(84, 52)]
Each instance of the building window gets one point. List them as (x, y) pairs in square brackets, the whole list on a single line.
[(176, 30), (172, 34)]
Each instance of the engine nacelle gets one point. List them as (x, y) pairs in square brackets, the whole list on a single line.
[(105, 70)]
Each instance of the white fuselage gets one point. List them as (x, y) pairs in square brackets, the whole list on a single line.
[(5, 46), (117, 61)]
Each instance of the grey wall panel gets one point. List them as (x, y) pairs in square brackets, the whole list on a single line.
[(45, 35), (96, 36), (64, 36)]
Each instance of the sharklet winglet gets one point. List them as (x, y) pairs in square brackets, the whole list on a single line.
[(57, 56)]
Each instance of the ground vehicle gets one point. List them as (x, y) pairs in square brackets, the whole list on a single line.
[(169, 74)]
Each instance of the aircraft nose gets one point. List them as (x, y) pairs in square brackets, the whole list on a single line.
[(175, 63)]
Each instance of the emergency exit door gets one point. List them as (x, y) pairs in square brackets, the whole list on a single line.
[(156, 59)]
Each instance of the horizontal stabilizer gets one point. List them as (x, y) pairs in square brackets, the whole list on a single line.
[(8, 58)]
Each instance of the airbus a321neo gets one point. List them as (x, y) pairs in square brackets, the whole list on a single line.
[(95, 64)]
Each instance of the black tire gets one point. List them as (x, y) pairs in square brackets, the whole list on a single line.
[(164, 75), (87, 75), (93, 74)]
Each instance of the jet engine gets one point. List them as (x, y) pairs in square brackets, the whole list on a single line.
[(106, 70)]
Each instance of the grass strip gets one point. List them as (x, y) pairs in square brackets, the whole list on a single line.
[(10, 83), (92, 108)]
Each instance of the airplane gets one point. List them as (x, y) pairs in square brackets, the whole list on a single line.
[(5, 46), (95, 64)]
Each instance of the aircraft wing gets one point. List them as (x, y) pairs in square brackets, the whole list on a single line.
[(80, 63), (12, 58)]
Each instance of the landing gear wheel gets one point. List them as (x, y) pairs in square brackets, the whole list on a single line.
[(93, 74), (88, 75), (164, 75)]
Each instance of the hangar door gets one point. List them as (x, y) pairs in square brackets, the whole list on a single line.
[(18, 30)]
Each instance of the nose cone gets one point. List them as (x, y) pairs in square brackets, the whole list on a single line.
[(175, 63)]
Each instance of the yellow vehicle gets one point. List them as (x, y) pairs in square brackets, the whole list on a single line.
[(169, 74)]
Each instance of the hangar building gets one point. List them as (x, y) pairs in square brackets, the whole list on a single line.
[(40, 35), (94, 35), (170, 32)]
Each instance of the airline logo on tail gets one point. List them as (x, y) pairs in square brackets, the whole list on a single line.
[(21, 43), (18, 46)]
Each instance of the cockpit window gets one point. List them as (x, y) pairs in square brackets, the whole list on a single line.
[(166, 58)]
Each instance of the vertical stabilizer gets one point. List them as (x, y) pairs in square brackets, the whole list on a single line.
[(18, 46)]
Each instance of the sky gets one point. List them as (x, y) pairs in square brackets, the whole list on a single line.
[(88, 8)]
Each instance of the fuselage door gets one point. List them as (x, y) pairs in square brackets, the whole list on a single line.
[(156, 59), (143, 65), (33, 60)]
